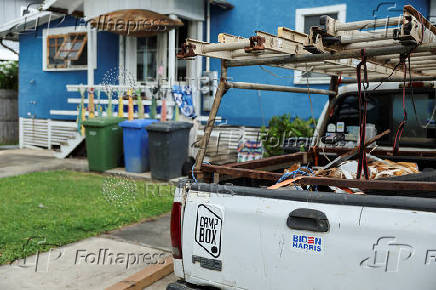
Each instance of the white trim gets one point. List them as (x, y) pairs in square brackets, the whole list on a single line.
[(162, 58), (121, 58), (131, 59), (26, 23), (64, 30), (172, 54), (341, 9)]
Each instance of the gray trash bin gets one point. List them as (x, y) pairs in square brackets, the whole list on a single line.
[(168, 147)]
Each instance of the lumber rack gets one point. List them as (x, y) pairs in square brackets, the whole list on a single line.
[(332, 48)]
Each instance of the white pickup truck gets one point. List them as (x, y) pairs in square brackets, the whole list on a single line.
[(234, 237)]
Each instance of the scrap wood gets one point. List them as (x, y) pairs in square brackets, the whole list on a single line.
[(241, 172), (369, 184), (285, 183)]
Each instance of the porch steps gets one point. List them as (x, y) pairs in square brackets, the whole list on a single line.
[(67, 147), (60, 136)]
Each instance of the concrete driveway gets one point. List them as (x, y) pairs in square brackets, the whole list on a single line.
[(21, 161)]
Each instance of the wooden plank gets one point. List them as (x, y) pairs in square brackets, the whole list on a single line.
[(241, 172), (212, 115), (145, 277)]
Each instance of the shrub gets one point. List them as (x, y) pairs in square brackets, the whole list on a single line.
[(281, 128), (9, 75)]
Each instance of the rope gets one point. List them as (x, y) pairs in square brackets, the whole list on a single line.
[(292, 174), (400, 129), (192, 171)]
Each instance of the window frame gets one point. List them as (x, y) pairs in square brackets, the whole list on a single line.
[(79, 52), (54, 36), (341, 10), (48, 33)]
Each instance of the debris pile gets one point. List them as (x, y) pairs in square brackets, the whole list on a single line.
[(378, 168)]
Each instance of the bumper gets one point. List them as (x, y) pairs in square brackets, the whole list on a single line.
[(181, 285)]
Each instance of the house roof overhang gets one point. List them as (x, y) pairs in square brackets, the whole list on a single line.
[(73, 7), (12, 29), (134, 22), (192, 10)]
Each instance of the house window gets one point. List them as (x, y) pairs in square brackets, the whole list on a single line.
[(147, 54), (72, 48), (54, 43), (66, 51), (306, 18)]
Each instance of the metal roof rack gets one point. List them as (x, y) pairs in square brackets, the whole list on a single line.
[(333, 48)]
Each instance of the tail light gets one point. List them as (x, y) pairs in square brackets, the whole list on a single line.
[(176, 230)]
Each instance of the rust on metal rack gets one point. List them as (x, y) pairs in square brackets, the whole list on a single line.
[(256, 43), (187, 50)]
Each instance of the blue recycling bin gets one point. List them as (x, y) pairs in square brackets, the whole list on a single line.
[(135, 140)]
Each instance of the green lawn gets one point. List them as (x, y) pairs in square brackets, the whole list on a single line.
[(60, 207)]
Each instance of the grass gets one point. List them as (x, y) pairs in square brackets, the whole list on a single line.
[(42, 209)]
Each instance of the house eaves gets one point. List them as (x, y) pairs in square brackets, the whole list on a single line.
[(26, 23), (72, 7)]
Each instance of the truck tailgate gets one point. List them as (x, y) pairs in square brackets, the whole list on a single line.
[(245, 238)]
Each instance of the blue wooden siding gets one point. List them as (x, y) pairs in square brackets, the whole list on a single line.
[(41, 91), (242, 107)]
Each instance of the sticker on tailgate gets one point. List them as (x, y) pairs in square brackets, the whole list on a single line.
[(208, 229), (313, 244)]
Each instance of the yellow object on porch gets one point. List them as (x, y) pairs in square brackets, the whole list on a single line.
[(91, 107), (120, 104), (82, 128), (130, 116)]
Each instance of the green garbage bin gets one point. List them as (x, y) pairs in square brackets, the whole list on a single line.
[(104, 143)]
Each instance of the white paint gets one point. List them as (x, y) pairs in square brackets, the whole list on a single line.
[(131, 57), (172, 54), (208, 34), (256, 247), (46, 132), (26, 23), (121, 57), (92, 54), (340, 9), (198, 69)]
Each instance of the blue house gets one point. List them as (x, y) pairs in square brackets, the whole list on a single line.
[(52, 73)]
